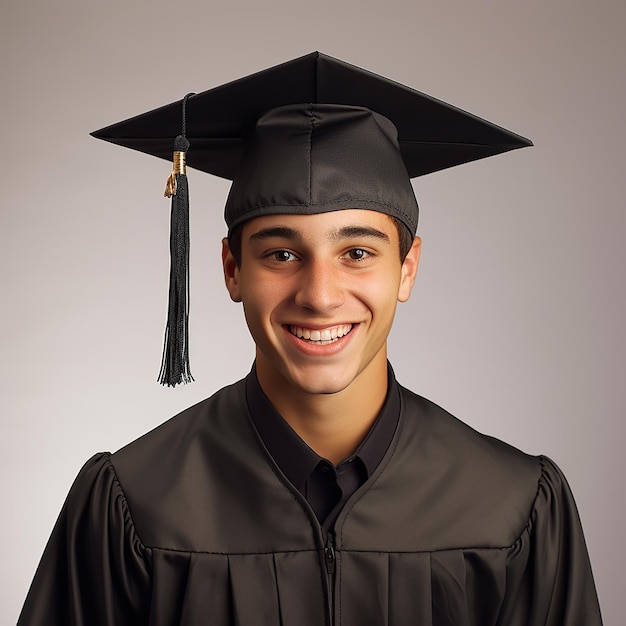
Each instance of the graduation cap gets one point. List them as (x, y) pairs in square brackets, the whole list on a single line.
[(311, 135)]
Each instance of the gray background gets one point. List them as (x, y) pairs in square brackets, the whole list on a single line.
[(516, 323)]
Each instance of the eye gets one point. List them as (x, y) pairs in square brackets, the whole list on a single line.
[(357, 254), (282, 256)]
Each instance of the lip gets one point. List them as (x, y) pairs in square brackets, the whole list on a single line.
[(320, 349)]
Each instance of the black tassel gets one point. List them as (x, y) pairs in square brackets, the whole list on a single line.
[(175, 367)]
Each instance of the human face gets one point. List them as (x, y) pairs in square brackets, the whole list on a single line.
[(319, 295)]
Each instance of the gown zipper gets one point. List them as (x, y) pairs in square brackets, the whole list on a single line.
[(330, 561)]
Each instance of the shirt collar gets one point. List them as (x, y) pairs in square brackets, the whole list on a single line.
[(294, 457)]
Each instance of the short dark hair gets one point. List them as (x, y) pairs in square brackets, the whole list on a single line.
[(405, 237)]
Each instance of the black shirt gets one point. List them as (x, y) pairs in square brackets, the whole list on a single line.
[(325, 486)]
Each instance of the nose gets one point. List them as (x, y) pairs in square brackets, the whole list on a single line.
[(320, 286)]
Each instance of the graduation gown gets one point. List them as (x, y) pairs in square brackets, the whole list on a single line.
[(195, 524)]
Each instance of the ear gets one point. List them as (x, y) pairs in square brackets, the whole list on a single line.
[(409, 270), (231, 272)]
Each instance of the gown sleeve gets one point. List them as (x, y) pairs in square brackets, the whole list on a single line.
[(557, 586), (94, 570)]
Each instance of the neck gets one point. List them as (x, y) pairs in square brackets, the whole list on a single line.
[(332, 424)]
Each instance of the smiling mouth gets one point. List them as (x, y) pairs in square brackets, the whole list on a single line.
[(321, 337)]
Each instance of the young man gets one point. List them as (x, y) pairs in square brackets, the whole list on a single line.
[(318, 490), (319, 294)]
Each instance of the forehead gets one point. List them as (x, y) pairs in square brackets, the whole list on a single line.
[(330, 225)]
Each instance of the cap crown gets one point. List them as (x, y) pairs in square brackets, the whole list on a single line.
[(314, 158)]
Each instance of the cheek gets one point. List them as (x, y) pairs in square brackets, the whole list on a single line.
[(265, 292), (255, 322), (260, 301), (381, 293)]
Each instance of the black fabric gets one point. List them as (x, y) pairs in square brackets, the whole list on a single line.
[(325, 487), (433, 135), (315, 158), (195, 524)]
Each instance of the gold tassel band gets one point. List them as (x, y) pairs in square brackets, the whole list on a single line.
[(180, 161), (179, 168)]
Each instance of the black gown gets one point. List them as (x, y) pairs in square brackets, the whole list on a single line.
[(195, 524)]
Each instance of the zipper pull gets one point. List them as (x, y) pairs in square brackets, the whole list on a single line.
[(329, 556)]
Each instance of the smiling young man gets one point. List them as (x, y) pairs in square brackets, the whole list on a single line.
[(319, 294), (317, 490)]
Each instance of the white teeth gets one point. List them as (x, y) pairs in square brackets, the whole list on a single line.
[(322, 337)]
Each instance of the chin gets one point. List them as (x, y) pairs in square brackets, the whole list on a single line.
[(320, 382)]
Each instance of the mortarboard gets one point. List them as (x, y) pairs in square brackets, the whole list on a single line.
[(311, 135)]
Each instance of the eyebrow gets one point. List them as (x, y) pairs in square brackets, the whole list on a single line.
[(347, 232), (356, 232), (282, 232)]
